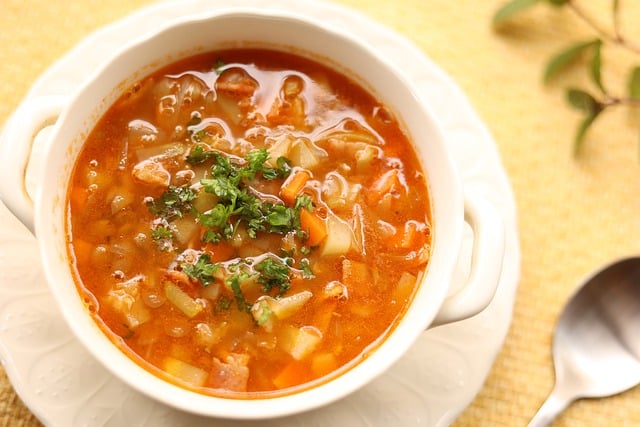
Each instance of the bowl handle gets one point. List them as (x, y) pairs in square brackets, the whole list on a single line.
[(486, 262), (16, 144)]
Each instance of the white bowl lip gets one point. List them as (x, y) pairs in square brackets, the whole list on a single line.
[(101, 347)]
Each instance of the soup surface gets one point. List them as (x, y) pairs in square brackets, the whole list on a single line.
[(246, 222)]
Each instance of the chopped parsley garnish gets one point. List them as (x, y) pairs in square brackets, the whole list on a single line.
[(237, 205), (234, 281), (203, 270), (162, 235), (161, 232), (274, 274), (265, 313), (198, 154), (174, 203)]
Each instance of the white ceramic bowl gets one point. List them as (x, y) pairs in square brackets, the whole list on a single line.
[(434, 303)]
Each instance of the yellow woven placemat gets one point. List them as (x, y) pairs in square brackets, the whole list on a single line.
[(574, 214)]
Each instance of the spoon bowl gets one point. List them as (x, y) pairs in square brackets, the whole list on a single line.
[(596, 346)]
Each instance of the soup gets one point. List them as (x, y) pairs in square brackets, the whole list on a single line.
[(247, 222)]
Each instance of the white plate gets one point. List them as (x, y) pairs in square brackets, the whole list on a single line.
[(64, 386)]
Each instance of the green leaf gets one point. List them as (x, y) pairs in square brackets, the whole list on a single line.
[(589, 105), (583, 101), (634, 83), (512, 8), (559, 61), (558, 2), (582, 131), (596, 66)]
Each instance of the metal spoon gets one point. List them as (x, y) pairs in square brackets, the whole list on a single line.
[(596, 346)]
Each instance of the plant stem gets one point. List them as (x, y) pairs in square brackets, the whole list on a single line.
[(612, 101), (615, 38)]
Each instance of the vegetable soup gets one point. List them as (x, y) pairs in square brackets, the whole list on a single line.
[(247, 222)]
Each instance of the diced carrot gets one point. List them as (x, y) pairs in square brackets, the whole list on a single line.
[(293, 374), (78, 198), (315, 227), (82, 251), (219, 251), (293, 186), (324, 363), (411, 236)]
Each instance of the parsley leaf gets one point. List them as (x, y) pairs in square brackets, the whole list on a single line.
[(203, 269), (234, 282), (236, 204), (173, 203), (274, 274), (198, 154)]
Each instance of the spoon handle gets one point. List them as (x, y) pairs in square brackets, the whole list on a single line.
[(550, 409)]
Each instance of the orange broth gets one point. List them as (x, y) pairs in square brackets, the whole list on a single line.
[(291, 275)]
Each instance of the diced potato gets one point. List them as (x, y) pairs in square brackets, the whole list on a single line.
[(339, 238), (207, 335), (338, 193), (211, 291), (286, 307), (120, 200), (184, 371), (159, 152), (137, 314), (125, 298), (300, 342), (124, 294), (205, 201), (184, 229), (230, 108), (356, 274), (305, 154), (182, 301), (279, 148), (405, 287), (365, 157)]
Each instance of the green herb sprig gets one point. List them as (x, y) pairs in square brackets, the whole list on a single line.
[(274, 274), (592, 102)]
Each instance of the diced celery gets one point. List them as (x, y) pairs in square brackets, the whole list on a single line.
[(181, 300), (267, 306)]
